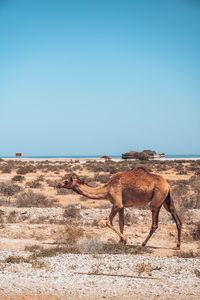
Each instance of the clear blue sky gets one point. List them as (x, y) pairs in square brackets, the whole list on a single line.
[(99, 76)]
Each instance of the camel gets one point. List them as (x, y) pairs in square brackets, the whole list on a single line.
[(134, 187)]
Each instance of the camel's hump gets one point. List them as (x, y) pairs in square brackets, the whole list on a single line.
[(136, 172)]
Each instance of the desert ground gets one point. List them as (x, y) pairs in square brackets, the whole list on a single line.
[(51, 246)]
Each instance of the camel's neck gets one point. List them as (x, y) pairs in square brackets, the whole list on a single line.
[(91, 192)]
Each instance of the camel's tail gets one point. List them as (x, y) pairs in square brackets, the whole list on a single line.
[(169, 203), (170, 207)]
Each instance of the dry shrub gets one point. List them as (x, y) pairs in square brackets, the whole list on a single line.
[(29, 260), (72, 212), (33, 248), (187, 192), (39, 220), (52, 183), (63, 191), (130, 218), (54, 251), (26, 169), (35, 184), (18, 178), (14, 259), (72, 234), (101, 178), (6, 169), (4, 202), (197, 273), (8, 189), (30, 199), (189, 254), (196, 232), (12, 217), (144, 268), (1, 216)]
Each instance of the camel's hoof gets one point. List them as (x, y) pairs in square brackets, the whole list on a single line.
[(143, 245), (176, 248), (123, 241), (103, 223)]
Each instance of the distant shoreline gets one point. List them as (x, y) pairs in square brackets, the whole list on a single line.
[(96, 157)]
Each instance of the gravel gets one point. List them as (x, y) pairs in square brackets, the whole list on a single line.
[(152, 276), (164, 277)]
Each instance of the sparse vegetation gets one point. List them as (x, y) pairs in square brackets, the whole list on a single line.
[(72, 212), (35, 184), (63, 191), (144, 268), (26, 169), (18, 178), (31, 220), (189, 254), (9, 189), (197, 273), (11, 218), (196, 232), (19, 259), (30, 199), (185, 188), (72, 234)]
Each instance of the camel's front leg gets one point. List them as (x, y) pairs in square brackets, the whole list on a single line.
[(109, 223), (121, 223)]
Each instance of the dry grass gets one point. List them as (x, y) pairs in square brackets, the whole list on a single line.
[(35, 263), (18, 178), (145, 268), (196, 232), (30, 199), (72, 234), (72, 212), (197, 273), (189, 254), (8, 189)]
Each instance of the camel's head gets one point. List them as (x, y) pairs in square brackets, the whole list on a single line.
[(70, 183)]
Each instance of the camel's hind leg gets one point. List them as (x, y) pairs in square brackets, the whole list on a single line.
[(169, 206), (155, 214), (121, 223)]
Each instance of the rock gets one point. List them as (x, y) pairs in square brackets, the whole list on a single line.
[(135, 155), (144, 155)]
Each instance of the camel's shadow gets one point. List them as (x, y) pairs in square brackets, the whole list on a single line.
[(106, 248)]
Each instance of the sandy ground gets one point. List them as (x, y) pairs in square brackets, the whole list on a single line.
[(23, 227)]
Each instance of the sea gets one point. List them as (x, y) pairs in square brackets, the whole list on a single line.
[(168, 156)]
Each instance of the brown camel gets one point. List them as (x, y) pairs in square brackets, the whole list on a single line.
[(130, 188)]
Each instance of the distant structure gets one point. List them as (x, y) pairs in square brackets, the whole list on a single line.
[(18, 154), (144, 155), (106, 157)]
